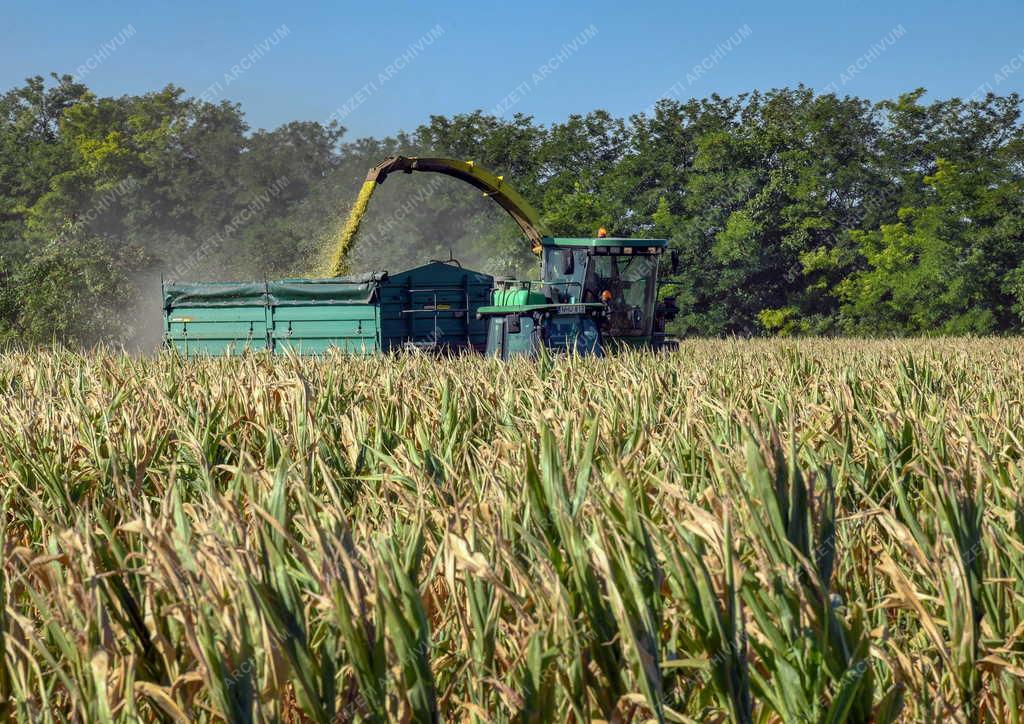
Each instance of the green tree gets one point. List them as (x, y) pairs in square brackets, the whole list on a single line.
[(949, 266), (791, 212)]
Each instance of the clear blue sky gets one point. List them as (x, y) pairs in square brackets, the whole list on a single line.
[(481, 53)]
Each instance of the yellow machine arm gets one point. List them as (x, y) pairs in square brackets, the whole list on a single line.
[(493, 186)]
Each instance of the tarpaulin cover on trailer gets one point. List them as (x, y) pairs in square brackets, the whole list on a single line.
[(354, 289), (341, 290)]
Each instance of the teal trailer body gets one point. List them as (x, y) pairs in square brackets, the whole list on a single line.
[(432, 307)]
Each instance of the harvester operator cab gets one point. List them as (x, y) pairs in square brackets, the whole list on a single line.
[(621, 274)]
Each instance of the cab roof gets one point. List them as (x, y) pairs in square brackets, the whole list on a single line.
[(591, 242)]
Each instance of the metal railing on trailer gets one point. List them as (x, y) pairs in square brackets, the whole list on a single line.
[(434, 309)]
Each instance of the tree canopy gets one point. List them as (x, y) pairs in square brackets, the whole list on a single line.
[(792, 212)]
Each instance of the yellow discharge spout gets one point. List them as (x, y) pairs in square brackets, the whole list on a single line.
[(493, 187), (339, 260)]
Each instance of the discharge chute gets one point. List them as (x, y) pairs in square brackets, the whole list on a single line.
[(492, 186)]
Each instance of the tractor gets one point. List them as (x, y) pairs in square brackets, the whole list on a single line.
[(594, 294)]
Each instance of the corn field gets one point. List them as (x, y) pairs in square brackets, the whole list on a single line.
[(819, 531)]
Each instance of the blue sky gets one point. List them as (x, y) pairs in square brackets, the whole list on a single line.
[(384, 66)]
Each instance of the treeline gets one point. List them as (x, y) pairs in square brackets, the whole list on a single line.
[(792, 212)]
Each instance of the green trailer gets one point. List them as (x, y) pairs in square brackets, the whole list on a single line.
[(432, 307)]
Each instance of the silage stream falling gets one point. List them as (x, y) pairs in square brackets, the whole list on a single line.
[(339, 260)]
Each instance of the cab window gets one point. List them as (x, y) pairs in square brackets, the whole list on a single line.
[(629, 279)]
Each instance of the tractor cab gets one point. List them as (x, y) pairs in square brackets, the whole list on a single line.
[(621, 274), (594, 293)]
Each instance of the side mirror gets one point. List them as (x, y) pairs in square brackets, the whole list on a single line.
[(674, 259), (637, 318), (668, 309)]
